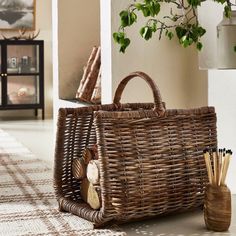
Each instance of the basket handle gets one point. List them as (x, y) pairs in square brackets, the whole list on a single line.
[(159, 106)]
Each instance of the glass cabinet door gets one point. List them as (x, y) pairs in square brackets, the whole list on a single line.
[(22, 59), (22, 90), (0, 76), (0, 90), (0, 59)]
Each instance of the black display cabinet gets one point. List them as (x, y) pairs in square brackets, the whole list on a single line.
[(22, 75)]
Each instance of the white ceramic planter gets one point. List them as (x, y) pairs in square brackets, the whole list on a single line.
[(226, 40)]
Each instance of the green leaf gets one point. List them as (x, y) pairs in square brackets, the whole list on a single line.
[(142, 30), (157, 8), (147, 2), (201, 31), (146, 32), (221, 1), (154, 8), (194, 3), (118, 36), (184, 38), (122, 49), (170, 35), (154, 27), (199, 46), (127, 18), (194, 34), (180, 32), (139, 6), (146, 11), (227, 10), (125, 42), (190, 41), (124, 18), (184, 41), (133, 17)]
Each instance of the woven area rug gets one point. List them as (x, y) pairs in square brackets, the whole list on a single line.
[(27, 201)]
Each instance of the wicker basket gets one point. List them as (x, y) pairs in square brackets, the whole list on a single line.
[(150, 158)]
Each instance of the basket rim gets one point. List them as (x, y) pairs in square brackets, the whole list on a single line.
[(107, 108)]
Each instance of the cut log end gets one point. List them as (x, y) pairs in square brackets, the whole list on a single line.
[(93, 171), (78, 168), (87, 155), (93, 197), (89, 194)]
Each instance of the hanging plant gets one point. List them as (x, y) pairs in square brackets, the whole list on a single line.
[(182, 21)]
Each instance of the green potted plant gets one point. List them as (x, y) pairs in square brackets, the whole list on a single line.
[(181, 22)]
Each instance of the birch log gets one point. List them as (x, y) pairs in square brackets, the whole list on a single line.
[(87, 155), (93, 198), (95, 152), (96, 96), (89, 194), (93, 171), (84, 189), (90, 82), (78, 168), (87, 69)]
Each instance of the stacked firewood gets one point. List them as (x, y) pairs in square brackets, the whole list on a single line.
[(90, 85), (86, 169)]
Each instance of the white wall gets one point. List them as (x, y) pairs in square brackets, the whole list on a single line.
[(44, 23), (196, 81), (78, 32), (222, 84), (174, 68)]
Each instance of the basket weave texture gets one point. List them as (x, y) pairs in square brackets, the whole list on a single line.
[(150, 158)]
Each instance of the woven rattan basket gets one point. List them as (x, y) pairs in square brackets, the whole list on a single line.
[(150, 158)]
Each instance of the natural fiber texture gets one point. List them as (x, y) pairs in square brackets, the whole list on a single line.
[(27, 201), (150, 158), (217, 208)]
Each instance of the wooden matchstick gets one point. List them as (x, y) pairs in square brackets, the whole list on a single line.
[(220, 166), (226, 166), (208, 166), (214, 167)]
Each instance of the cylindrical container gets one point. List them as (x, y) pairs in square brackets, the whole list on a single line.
[(226, 41), (217, 208)]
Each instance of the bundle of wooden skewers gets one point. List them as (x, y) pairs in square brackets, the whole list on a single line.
[(217, 164)]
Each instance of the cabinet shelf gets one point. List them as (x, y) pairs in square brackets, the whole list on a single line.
[(22, 74)]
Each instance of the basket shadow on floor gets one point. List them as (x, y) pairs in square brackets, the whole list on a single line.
[(181, 224)]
